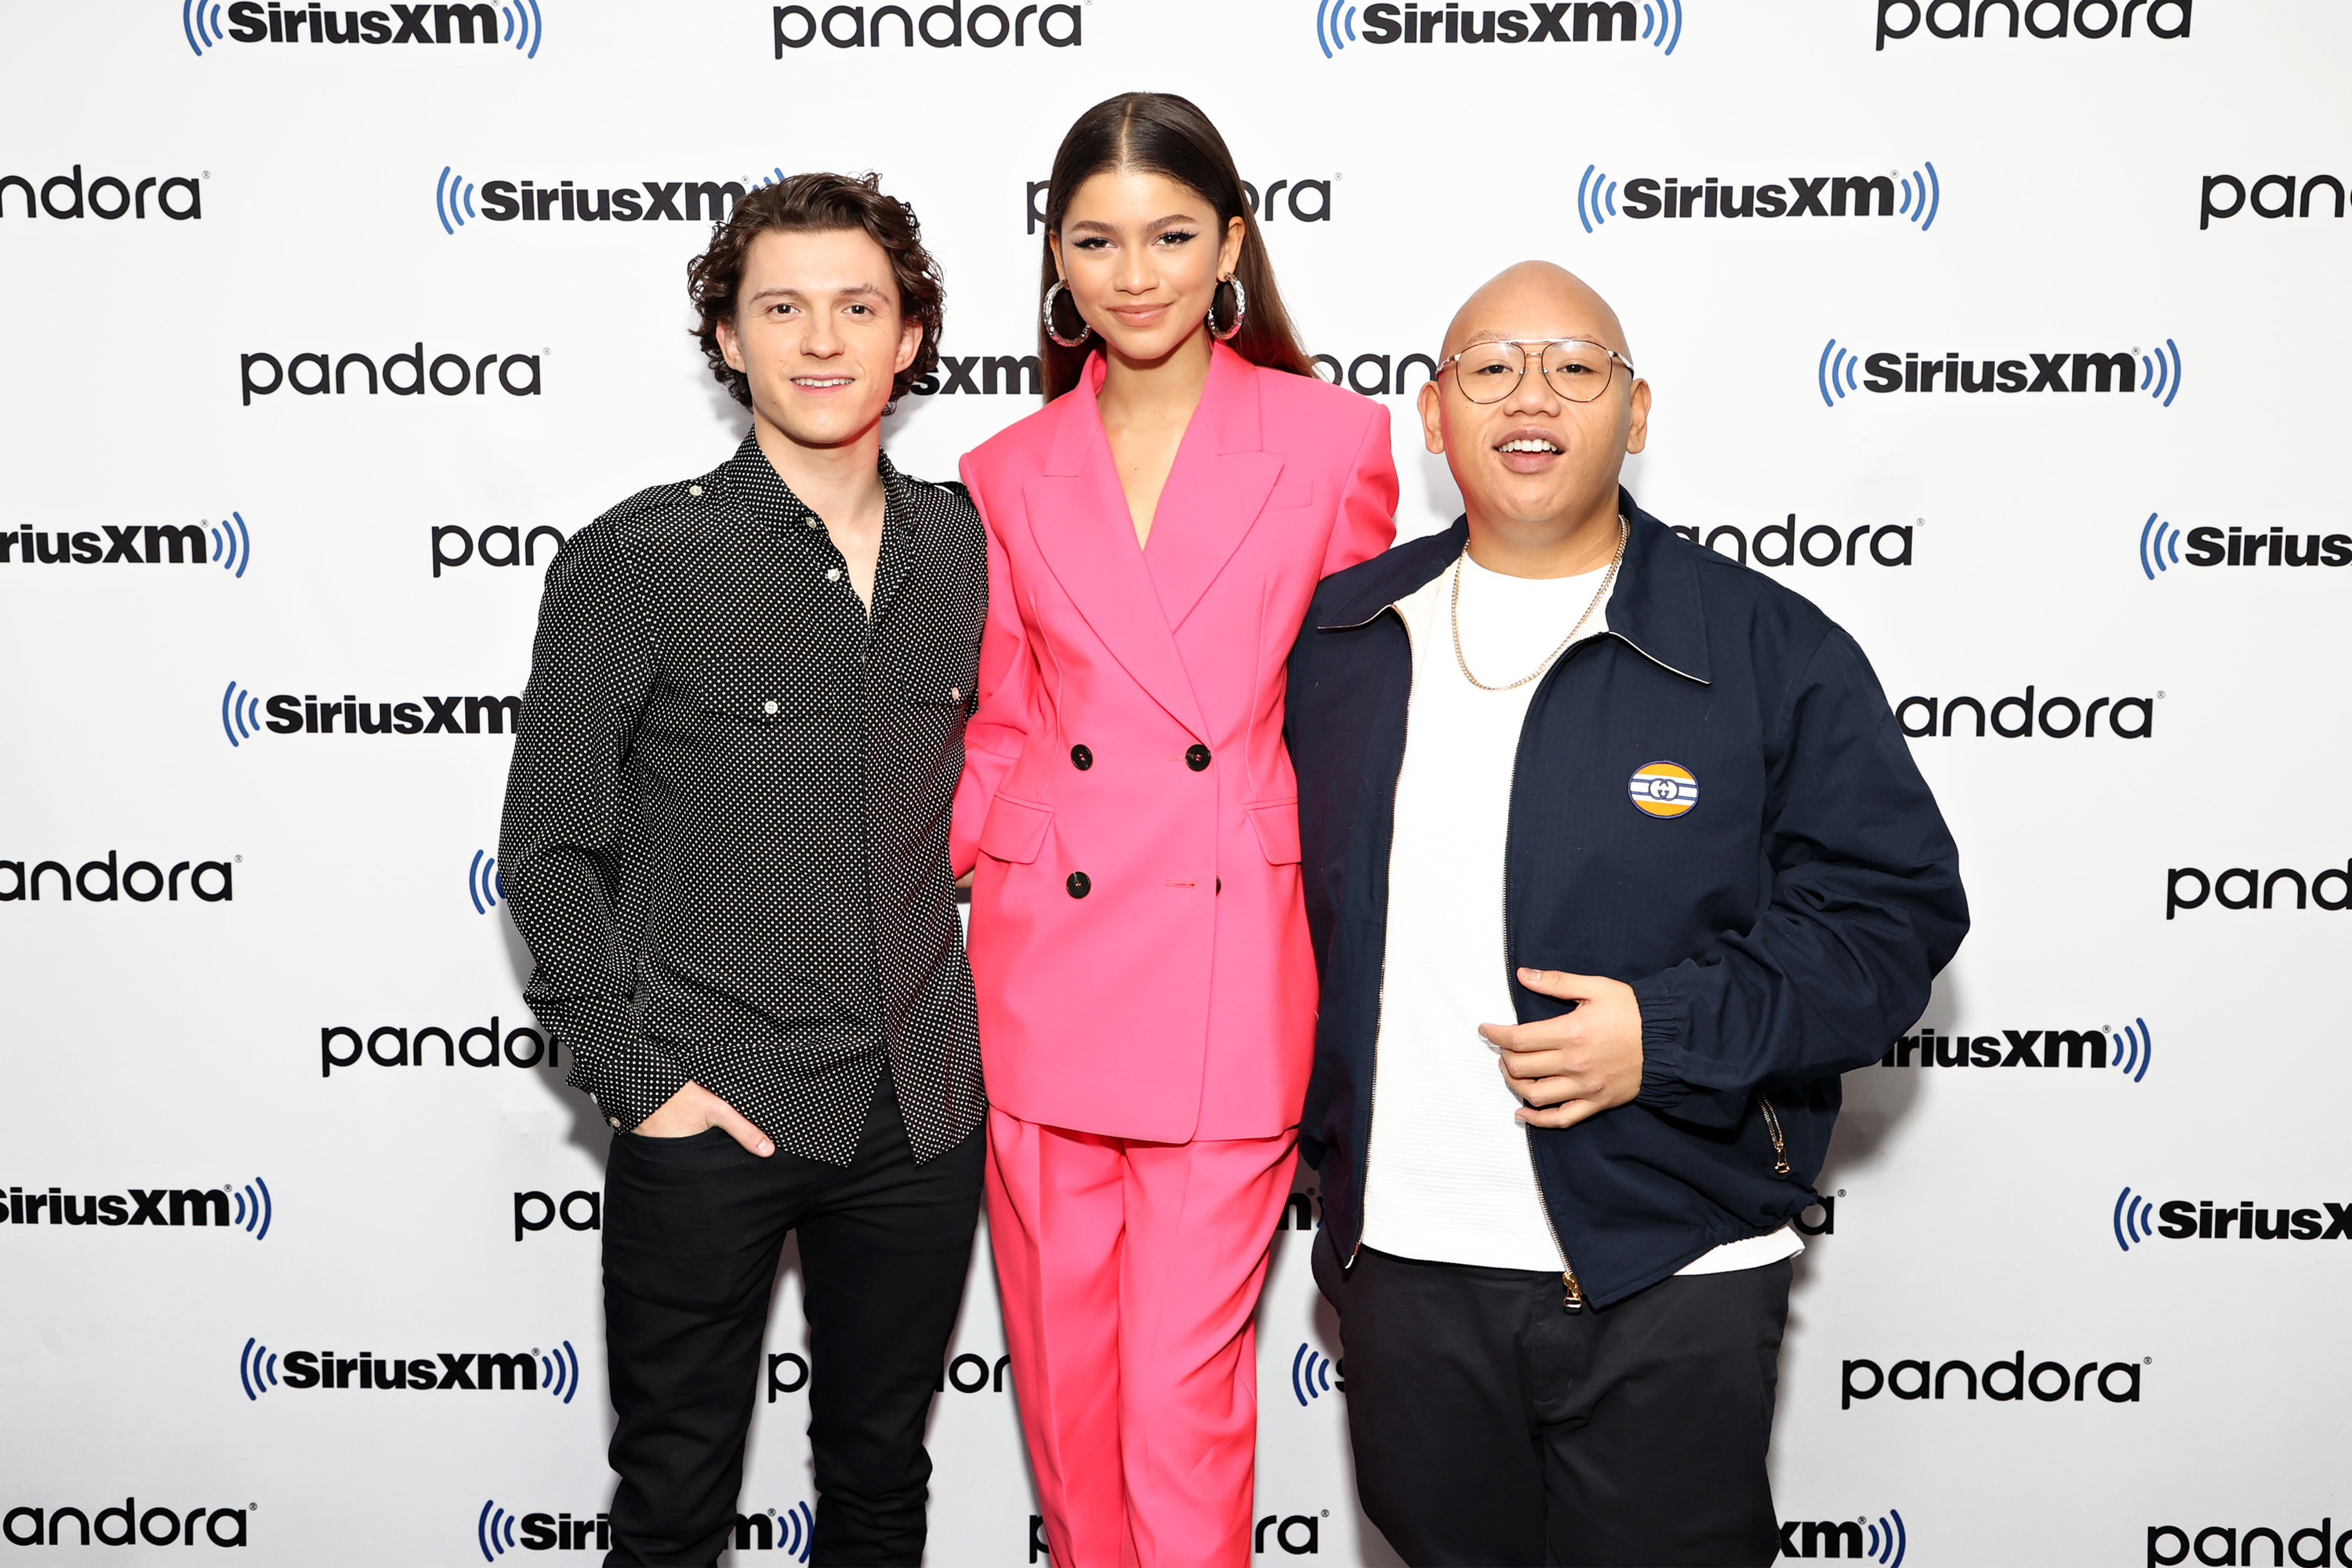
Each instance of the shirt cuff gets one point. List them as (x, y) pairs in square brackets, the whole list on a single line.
[(628, 1077)]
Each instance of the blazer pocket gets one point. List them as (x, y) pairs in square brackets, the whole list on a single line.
[(1016, 830), (1276, 822), (1299, 491)]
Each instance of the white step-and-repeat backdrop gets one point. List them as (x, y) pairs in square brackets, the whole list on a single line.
[(2011, 332)]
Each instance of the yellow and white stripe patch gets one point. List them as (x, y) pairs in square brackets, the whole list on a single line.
[(1662, 789)]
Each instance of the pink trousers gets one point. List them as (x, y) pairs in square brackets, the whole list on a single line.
[(1129, 1273)]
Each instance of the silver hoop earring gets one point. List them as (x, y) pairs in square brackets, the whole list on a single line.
[(1241, 310), (1047, 315)]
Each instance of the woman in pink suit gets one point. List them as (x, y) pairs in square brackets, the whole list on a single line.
[(1147, 994)]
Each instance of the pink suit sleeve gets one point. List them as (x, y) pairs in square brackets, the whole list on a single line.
[(1005, 699), (1366, 524)]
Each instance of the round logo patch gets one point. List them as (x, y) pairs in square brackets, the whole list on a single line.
[(1662, 789)]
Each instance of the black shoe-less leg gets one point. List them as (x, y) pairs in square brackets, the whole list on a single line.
[(1447, 1463), (692, 1230), (886, 1253), (1656, 1415)]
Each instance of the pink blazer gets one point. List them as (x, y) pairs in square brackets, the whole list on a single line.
[(1138, 937)]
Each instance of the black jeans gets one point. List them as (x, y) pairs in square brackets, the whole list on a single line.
[(1492, 1427), (692, 1230)]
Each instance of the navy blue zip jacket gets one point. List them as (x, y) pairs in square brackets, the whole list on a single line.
[(1782, 931)]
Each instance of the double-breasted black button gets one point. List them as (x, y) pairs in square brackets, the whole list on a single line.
[(1196, 756), (1081, 758), (1079, 885)]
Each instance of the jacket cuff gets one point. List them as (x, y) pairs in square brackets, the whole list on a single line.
[(1664, 1028), (628, 1077)]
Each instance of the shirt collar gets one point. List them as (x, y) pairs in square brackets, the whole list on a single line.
[(768, 499)]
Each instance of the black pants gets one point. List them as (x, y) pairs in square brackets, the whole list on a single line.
[(1492, 1427), (692, 1230)]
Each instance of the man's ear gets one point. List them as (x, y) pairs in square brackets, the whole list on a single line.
[(1637, 431), (911, 339), (1433, 425), (730, 345)]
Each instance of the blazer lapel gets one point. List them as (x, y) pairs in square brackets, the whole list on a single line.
[(1077, 514), (1218, 486)]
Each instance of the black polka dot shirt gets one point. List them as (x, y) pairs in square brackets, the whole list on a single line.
[(726, 828)]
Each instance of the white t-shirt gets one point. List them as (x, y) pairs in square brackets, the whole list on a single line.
[(1449, 1174)]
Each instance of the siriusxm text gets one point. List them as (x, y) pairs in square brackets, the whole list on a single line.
[(1581, 21), (250, 22), (136, 1206)]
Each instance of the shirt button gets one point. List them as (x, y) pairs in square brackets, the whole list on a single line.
[(692, 490), (1081, 758), (1196, 757), (1079, 884), (771, 708), (614, 1121), (832, 574), (955, 693)]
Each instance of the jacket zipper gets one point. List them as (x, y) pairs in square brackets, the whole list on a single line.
[(1572, 1292), (1780, 1144)]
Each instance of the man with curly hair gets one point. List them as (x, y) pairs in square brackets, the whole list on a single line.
[(726, 843)]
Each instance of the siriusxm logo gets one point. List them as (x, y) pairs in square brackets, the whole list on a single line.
[(1310, 1376), (1262, 206), (2138, 1220), (1841, 371), (2131, 1048), (2159, 547), (121, 198), (561, 201), (499, 1530), (396, 1045), (249, 1207), (242, 710), (534, 1212), (556, 1372), (2117, 1381), (2015, 718), (1886, 544), (1915, 197), (1899, 19), (2238, 1550), (946, 26), (981, 375), (2248, 881), (455, 545), (495, 1532), (474, 375), (1886, 1543), (155, 1526), (513, 21), (104, 881), (1659, 24), (229, 540), (483, 886), (2281, 205)]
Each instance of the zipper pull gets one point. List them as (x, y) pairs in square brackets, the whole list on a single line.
[(1575, 1299), (1780, 1145)]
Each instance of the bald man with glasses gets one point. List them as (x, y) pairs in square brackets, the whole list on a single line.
[(1614, 859)]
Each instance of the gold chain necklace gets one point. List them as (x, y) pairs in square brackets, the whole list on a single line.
[(1625, 531)]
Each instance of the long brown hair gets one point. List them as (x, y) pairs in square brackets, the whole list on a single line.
[(1161, 133)]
